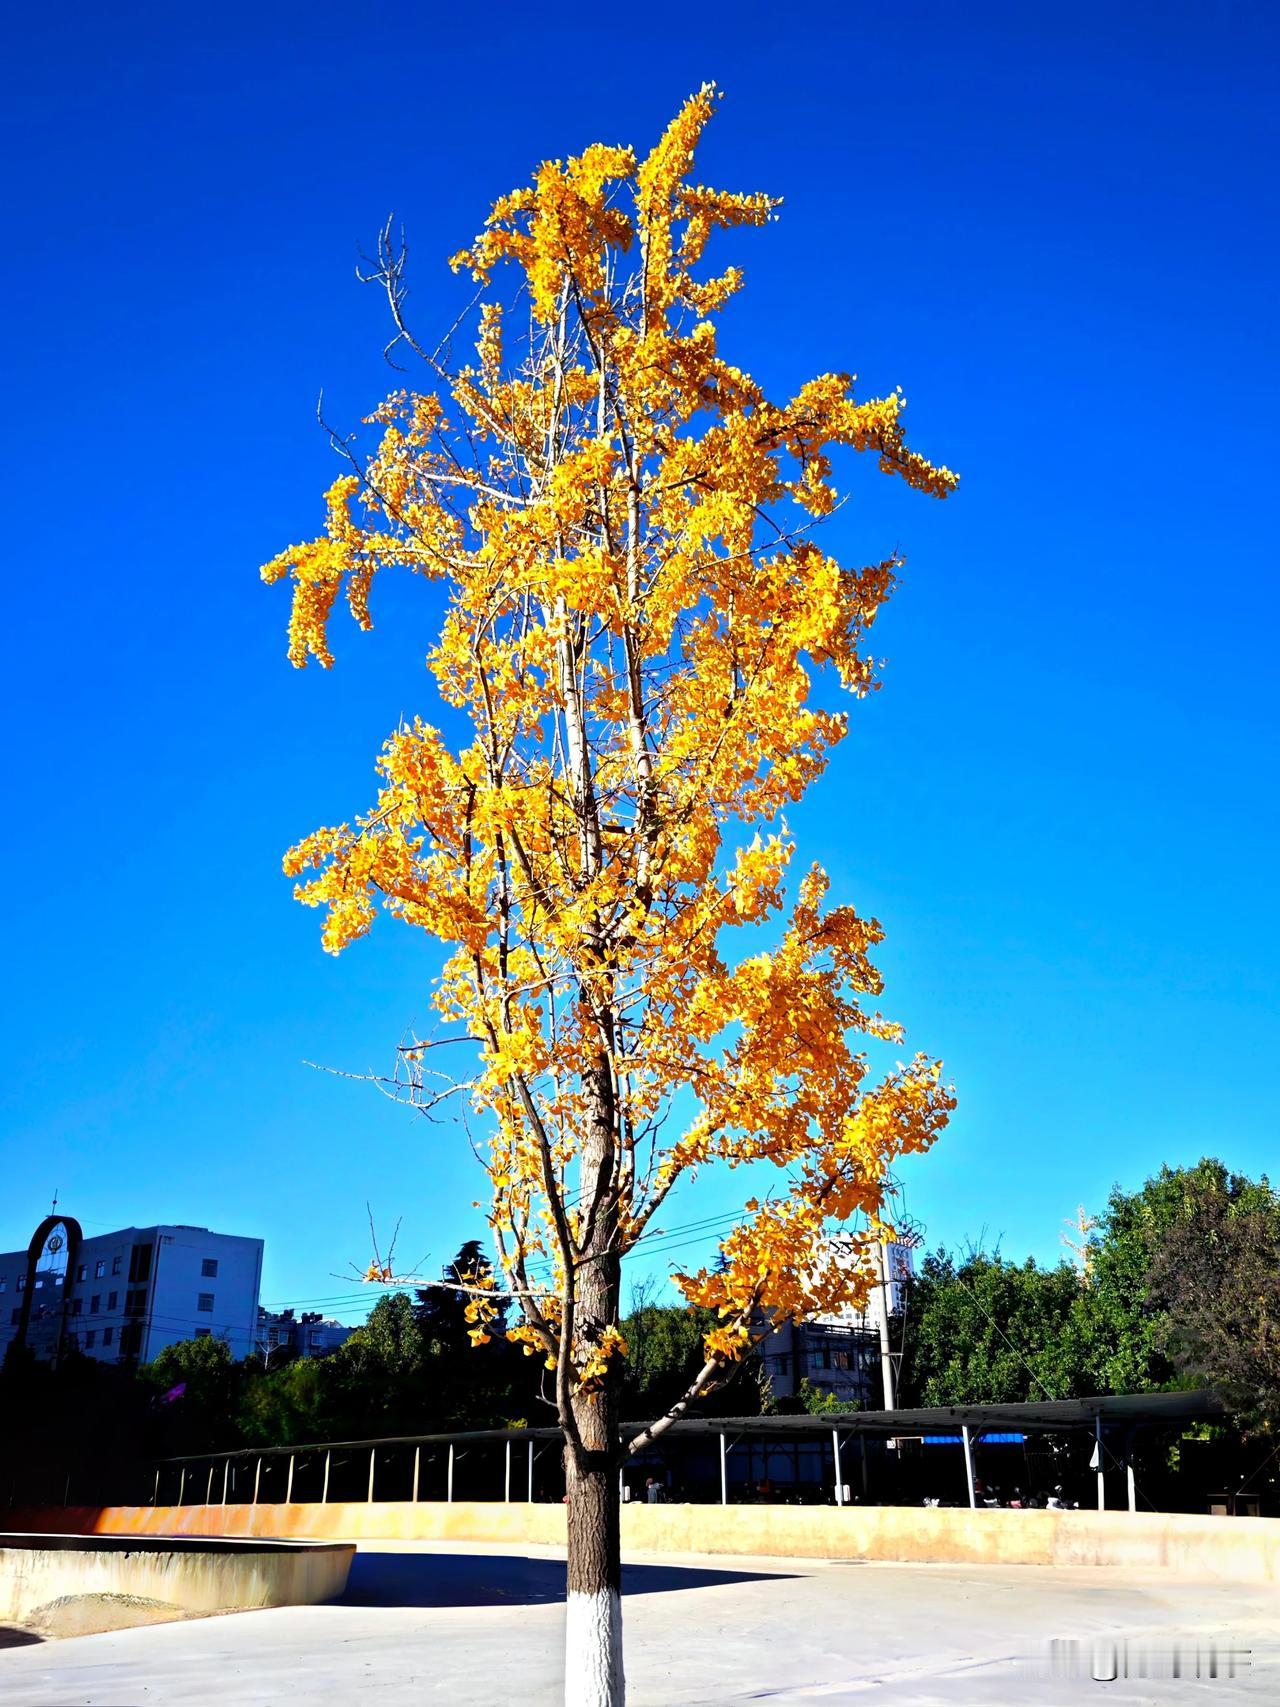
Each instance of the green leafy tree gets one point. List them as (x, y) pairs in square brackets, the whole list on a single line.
[(1215, 1278), (378, 1381), (1123, 1315), (665, 1351), (287, 1405), (818, 1401), (442, 1314), (197, 1387), (985, 1330), (475, 1386)]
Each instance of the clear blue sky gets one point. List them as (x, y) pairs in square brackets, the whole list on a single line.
[(1057, 230)]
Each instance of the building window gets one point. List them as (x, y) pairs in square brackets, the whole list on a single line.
[(22, 1283), (4, 1282), (95, 1304), (76, 1304), (100, 1268), (79, 1271), (205, 1302), (204, 1333), (108, 1335), (113, 1298), (209, 1268), (115, 1265), (90, 1337)]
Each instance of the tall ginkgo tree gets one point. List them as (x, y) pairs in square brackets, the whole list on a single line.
[(620, 531)]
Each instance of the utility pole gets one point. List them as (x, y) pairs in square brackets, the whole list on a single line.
[(882, 1323)]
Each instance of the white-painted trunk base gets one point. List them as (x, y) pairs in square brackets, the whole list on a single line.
[(593, 1650)]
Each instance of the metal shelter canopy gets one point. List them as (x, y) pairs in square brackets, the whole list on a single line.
[(1047, 1416)]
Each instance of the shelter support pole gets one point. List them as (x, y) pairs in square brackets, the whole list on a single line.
[(417, 1467), (835, 1445), (968, 1466), (1130, 1485), (1102, 1475), (506, 1481), (208, 1488), (226, 1466), (862, 1442), (155, 1492), (529, 1495), (288, 1486), (449, 1485), (724, 1471), (324, 1492), (182, 1486), (257, 1478), (372, 1456)]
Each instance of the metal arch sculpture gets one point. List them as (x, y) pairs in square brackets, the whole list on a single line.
[(39, 1239)]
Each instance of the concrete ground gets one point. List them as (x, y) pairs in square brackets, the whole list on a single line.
[(482, 1626)]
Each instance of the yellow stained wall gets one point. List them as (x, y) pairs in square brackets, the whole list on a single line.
[(33, 1577), (1242, 1548)]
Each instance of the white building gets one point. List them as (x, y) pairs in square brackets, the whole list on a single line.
[(887, 1297), (129, 1294), (845, 1354), (308, 1335)]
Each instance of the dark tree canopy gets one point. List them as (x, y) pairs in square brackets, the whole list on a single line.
[(1131, 1319), (985, 1330), (1215, 1277)]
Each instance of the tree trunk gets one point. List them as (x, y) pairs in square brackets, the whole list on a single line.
[(593, 1675), (593, 1626)]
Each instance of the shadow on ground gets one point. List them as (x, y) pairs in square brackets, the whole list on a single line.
[(470, 1579), (12, 1637)]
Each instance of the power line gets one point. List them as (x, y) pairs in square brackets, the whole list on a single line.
[(659, 1238), (1004, 1336)]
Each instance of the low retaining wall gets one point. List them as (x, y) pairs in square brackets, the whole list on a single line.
[(1239, 1548), (185, 1574)]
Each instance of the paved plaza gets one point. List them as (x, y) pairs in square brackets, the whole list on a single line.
[(473, 1626)]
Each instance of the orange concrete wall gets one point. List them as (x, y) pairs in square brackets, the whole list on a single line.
[(385, 1520), (1241, 1548)]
